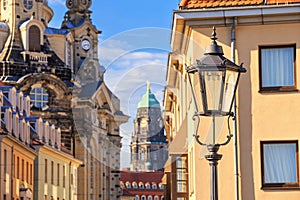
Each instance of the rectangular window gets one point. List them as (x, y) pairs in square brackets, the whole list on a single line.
[(22, 168), (72, 180), (277, 67), (52, 172), (31, 174), (14, 166), (46, 170), (280, 164), (27, 172), (181, 174), (57, 174), (64, 176), (18, 167), (5, 163)]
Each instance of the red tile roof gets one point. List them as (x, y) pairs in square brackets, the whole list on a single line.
[(144, 177), (282, 1), (191, 4), (141, 177)]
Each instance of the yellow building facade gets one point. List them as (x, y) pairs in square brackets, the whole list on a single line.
[(56, 174), (261, 161), (34, 164), (17, 168), (16, 153)]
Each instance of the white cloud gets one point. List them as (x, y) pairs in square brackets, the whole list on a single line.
[(131, 58)]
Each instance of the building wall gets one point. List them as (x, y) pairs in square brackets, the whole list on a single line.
[(17, 169), (56, 174), (261, 116)]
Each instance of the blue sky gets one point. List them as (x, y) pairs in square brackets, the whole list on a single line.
[(133, 47)]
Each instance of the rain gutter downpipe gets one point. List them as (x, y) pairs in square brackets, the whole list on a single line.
[(235, 136)]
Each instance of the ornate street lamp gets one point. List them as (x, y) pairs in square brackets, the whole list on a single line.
[(214, 85)]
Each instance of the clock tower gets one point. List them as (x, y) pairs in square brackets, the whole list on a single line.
[(85, 50), (149, 143)]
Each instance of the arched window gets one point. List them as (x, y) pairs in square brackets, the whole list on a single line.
[(162, 198), (161, 186), (141, 185), (148, 186), (134, 185), (156, 198), (128, 186), (154, 186), (35, 38), (149, 197), (38, 97), (143, 197), (137, 197)]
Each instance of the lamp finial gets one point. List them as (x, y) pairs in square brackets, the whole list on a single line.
[(214, 35), (214, 48)]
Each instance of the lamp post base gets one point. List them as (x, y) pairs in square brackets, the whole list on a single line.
[(213, 157)]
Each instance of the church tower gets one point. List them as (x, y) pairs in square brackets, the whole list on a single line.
[(24, 44), (149, 143)]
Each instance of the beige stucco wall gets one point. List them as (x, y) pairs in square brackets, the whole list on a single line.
[(42, 187), (265, 116), (10, 182), (261, 116)]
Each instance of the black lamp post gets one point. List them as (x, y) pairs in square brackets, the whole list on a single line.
[(214, 85)]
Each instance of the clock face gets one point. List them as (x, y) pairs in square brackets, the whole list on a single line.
[(85, 44)]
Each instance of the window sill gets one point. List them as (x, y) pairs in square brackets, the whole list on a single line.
[(266, 188), (266, 91)]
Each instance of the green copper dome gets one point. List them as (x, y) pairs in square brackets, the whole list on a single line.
[(148, 100)]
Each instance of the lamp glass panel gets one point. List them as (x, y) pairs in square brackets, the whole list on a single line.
[(196, 91), (229, 90), (213, 84)]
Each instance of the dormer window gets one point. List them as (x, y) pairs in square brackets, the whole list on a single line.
[(128, 185), (28, 4), (154, 186), (34, 35), (161, 186), (141, 185), (147, 186), (134, 184)]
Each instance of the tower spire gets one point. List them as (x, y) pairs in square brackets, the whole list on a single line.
[(148, 86)]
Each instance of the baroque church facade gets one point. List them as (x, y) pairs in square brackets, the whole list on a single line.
[(59, 69), (149, 143)]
